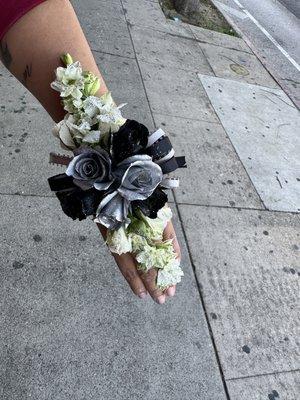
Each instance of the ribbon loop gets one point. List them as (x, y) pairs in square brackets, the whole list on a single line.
[(160, 148)]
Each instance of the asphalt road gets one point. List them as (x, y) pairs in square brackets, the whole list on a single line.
[(293, 6), (281, 24), (272, 30)]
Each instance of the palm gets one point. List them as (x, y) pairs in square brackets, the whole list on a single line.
[(140, 282)]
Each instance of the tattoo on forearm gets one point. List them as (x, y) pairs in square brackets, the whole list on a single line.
[(5, 55), (27, 73)]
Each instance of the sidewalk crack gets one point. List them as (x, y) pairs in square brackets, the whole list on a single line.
[(263, 374)]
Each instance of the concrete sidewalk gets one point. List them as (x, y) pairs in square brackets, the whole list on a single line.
[(70, 328)]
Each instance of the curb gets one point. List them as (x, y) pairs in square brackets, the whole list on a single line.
[(255, 51)]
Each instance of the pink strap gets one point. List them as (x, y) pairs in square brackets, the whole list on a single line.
[(12, 10)]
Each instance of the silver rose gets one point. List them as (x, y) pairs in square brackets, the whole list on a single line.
[(138, 177), (112, 211), (91, 167)]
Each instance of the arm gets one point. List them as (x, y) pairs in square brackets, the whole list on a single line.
[(32, 47), (31, 50)]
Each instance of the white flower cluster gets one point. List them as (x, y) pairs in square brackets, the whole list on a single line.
[(89, 118), (144, 238)]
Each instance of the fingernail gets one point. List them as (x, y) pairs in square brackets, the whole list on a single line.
[(142, 295), (160, 299), (171, 291)]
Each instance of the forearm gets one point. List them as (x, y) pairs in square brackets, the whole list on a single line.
[(31, 50)]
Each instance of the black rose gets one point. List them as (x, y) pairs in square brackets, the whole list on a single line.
[(152, 204), (78, 203), (130, 139)]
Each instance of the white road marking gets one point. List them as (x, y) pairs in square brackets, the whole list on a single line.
[(231, 10), (269, 36)]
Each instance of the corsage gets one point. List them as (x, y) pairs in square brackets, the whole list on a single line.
[(117, 174)]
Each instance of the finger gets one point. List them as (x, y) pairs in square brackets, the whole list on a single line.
[(127, 266), (149, 280), (170, 292), (169, 233)]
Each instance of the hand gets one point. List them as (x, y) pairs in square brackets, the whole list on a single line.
[(141, 282)]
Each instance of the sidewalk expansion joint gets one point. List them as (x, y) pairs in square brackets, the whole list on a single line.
[(188, 71), (43, 196), (112, 54), (137, 61), (192, 39), (202, 301), (188, 118), (266, 210), (263, 374)]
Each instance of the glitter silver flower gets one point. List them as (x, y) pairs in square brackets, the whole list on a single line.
[(91, 167), (112, 211), (138, 176)]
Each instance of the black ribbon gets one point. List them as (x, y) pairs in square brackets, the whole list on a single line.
[(160, 149), (172, 164), (61, 182), (181, 162)]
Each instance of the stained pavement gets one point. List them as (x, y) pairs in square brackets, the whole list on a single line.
[(70, 328)]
